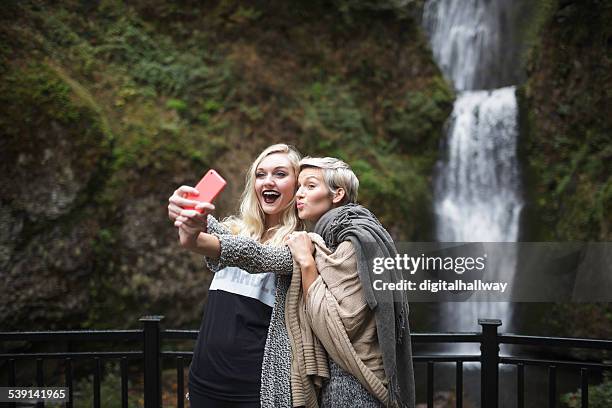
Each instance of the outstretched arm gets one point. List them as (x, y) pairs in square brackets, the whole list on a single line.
[(198, 237), (206, 236), (250, 255)]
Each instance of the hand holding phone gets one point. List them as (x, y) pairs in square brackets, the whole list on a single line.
[(209, 188)]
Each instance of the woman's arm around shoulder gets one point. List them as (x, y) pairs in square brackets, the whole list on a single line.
[(250, 255)]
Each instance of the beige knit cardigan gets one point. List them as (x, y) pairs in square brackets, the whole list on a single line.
[(336, 319)]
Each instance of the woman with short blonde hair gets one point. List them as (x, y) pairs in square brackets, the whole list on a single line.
[(337, 174), (364, 332)]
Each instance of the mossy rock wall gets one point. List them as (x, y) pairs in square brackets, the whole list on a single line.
[(566, 123), (566, 144), (108, 107), (55, 148)]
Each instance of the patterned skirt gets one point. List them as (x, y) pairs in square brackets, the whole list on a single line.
[(343, 390)]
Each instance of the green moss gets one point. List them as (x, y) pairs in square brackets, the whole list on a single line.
[(566, 145), (110, 389), (414, 122), (567, 126), (38, 95), (396, 186), (397, 190), (163, 91), (333, 122), (600, 396), (531, 17), (31, 90), (176, 104)]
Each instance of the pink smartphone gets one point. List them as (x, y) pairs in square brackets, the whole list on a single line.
[(209, 187)]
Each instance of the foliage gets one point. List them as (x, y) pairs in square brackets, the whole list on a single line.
[(566, 122), (152, 93), (600, 396), (41, 106), (420, 115), (110, 390), (586, 320), (399, 8), (337, 124), (332, 119), (397, 192), (36, 85), (566, 143)]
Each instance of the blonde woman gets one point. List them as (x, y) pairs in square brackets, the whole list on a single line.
[(365, 332), (226, 369)]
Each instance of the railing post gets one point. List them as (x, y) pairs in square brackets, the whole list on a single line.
[(489, 360), (152, 361)]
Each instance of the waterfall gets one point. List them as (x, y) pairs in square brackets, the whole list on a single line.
[(473, 42), (477, 183)]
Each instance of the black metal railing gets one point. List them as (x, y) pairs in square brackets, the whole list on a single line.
[(148, 350)]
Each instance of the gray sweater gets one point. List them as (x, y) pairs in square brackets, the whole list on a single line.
[(253, 257)]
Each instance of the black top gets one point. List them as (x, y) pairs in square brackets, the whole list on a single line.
[(229, 350)]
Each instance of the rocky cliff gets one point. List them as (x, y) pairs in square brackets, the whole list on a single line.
[(108, 107)]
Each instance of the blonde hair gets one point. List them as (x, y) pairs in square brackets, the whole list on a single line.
[(336, 174), (251, 219)]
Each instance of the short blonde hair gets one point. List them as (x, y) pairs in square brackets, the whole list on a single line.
[(251, 221), (336, 174)]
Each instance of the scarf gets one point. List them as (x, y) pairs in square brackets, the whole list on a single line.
[(355, 223)]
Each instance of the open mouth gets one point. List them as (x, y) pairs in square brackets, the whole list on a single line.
[(270, 196)]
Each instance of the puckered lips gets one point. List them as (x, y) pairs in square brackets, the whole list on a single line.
[(299, 205), (270, 196)]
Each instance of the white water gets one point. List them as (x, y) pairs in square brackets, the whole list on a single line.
[(471, 41), (477, 186)]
